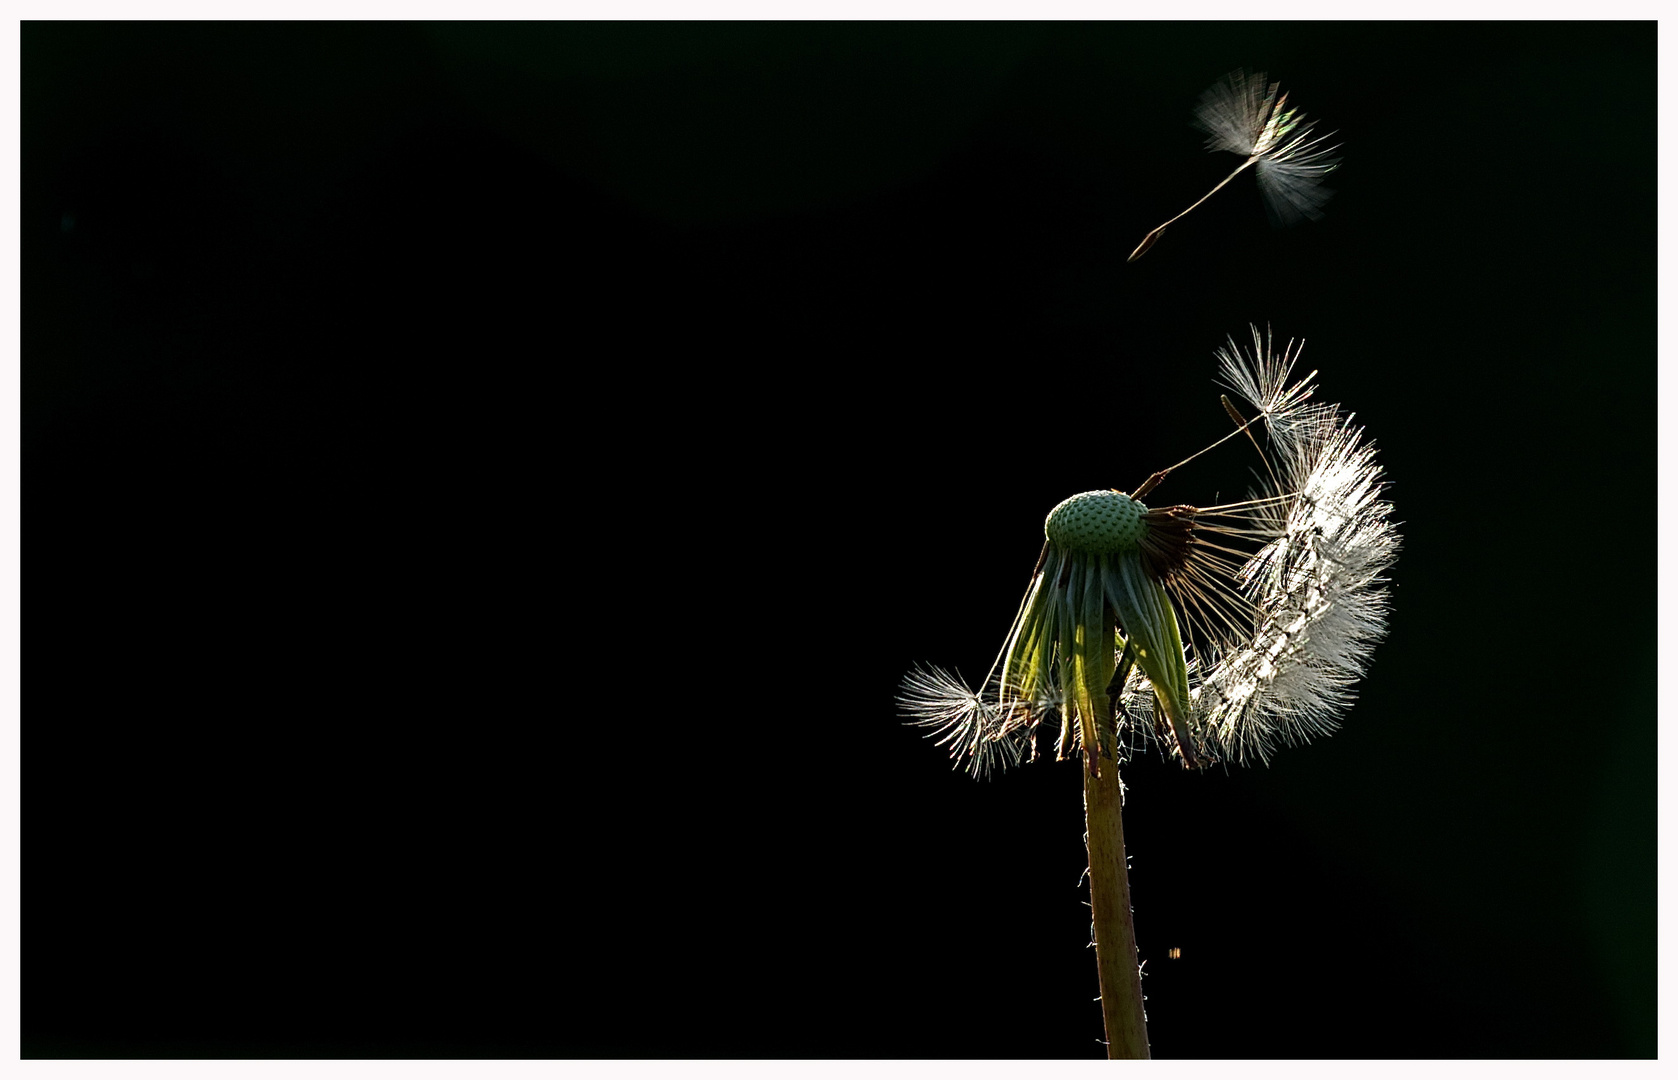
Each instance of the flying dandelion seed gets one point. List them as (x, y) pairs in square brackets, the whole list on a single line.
[(1217, 633), (1244, 115)]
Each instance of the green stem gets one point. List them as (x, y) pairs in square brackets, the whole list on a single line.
[(1115, 933)]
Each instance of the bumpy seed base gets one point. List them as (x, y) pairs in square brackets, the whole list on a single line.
[(1097, 522)]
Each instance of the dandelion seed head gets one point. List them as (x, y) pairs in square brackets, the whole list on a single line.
[(1215, 633), (1097, 522)]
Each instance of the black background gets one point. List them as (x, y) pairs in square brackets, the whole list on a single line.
[(485, 483)]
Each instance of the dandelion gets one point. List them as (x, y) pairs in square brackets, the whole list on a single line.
[(1215, 633), (1243, 115)]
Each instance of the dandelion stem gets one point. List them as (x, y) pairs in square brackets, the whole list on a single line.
[(1117, 970), (1115, 932), (1148, 241)]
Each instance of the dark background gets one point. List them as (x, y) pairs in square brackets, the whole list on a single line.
[(485, 483)]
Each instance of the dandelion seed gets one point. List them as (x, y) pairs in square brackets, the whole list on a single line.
[(1244, 115), (1261, 380)]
